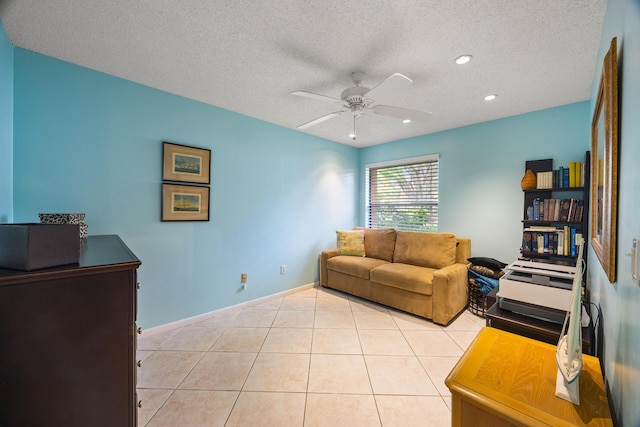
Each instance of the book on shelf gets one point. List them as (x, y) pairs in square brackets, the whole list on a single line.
[(565, 178), (536, 209), (565, 204), (551, 240), (560, 245), (559, 210), (541, 228), (550, 206), (526, 242), (570, 176), (544, 180)]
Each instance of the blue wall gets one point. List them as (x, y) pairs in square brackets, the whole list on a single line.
[(620, 301), (277, 195), (481, 167), (6, 127), (88, 142)]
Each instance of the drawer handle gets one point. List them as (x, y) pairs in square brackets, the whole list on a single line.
[(139, 363), (138, 285), (139, 403), (139, 330)]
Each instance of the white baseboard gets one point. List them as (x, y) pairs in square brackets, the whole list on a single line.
[(200, 317)]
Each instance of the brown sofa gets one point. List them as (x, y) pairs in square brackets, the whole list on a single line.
[(420, 273)]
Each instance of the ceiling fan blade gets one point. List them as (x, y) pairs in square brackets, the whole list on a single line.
[(320, 119), (316, 96), (389, 87), (402, 113)]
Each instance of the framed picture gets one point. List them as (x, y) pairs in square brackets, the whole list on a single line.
[(185, 202), (604, 165), (185, 164)]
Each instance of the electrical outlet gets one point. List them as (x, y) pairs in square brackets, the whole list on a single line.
[(243, 278), (283, 269)]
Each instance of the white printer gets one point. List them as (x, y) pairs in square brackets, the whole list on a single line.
[(537, 289)]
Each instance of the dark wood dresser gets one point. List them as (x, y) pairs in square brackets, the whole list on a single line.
[(68, 340)]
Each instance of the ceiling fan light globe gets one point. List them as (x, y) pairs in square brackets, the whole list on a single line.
[(463, 59)]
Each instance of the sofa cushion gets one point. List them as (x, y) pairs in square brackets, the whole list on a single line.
[(404, 276), (433, 250), (379, 242), (350, 242), (354, 266)]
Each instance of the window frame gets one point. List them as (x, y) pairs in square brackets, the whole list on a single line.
[(395, 163)]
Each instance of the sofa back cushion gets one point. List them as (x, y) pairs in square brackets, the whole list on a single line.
[(433, 250), (379, 243)]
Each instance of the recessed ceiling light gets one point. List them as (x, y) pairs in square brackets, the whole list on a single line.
[(463, 59), (405, 121), (490, 97)]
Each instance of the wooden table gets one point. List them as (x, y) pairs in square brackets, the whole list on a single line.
[(504, 379)]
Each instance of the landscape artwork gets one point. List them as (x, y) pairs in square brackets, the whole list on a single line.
[(182, 163), (185, 202)]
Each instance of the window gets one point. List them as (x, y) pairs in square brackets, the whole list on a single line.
[(403, 194)]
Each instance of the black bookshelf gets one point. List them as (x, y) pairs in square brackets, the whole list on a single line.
[(580, 193)]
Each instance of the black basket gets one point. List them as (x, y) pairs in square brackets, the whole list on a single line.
[(477, 300)]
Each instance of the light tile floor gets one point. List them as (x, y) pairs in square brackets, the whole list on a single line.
[(314, 358)]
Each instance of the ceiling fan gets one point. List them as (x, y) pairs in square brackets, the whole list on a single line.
[(358, 99)]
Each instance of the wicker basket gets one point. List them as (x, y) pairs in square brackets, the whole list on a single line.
[(477, 300)]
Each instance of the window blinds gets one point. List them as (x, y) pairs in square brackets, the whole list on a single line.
[(403, 196)]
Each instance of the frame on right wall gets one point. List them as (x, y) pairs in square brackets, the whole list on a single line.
[(604, 165)]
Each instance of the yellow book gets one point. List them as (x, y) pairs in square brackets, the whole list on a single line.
[(572, 174), (578, 178)]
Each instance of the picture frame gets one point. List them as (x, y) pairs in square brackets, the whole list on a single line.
[(604, 165), (182, 163), (185, 202)]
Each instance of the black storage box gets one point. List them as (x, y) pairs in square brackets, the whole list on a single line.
[(34, 246)]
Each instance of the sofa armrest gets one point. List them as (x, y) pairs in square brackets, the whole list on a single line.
[(324, 257), (463, 250), (450, 292)]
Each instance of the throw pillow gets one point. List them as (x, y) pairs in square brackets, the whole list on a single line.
[(491, 263), (485, 271), (350, 242)]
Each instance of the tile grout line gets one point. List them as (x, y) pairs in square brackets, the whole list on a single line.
[(357, 327)]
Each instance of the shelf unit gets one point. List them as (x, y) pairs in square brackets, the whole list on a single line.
[(580, 193)]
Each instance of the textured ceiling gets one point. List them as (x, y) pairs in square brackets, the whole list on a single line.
[(247, 56)]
